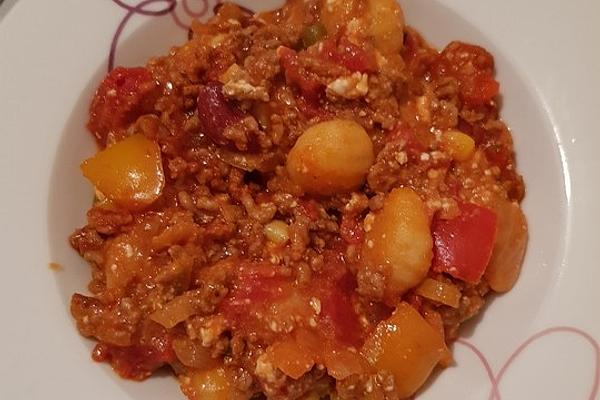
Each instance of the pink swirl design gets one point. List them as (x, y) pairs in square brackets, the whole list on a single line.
[(170, 8), (142, 8), (190, 13), (195, 14), (496, 379), (132, 10)]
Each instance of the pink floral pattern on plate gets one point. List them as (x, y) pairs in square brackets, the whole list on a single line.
[(497, 378)]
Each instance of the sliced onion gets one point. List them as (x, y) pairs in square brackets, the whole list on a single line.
[(511, 240), (177, 310), (442, 292), (192, 354)]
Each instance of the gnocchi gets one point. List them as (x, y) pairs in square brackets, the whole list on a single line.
[(400, 240), (331, 157), (387, 25)]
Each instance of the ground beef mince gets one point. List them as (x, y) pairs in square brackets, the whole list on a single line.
[(305, 203)]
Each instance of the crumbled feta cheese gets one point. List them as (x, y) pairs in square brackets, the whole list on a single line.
[(353, 27), (264, 369), (329, 4), (274, 326), (437, 155), (423, 111), (368, 222), (369, 386), (128, 250), (349, 87), (354, 202), (242, 90), (434, 204), (207, 336), (380, 60), (315, 304), (401, 157)]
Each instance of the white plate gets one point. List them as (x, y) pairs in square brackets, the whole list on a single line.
[(537, 342)]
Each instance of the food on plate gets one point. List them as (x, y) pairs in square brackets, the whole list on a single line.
[(305, 203)]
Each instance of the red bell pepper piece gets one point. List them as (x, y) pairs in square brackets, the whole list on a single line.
[(463, 245)]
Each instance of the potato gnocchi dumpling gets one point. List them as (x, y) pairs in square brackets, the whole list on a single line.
[(331, 157)]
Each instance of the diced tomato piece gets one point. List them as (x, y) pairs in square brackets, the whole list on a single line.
[(412, 145), (260, 299), (351, 229), (312, 109), (123, 96), (310, 208), (347, 54), (496, 143), (463, 245), (254, 284), (483, 88), (411, 46), (337, 312), (473, 68), (136, 362), (309, 87)]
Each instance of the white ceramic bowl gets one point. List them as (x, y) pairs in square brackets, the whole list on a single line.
[(538, 341)]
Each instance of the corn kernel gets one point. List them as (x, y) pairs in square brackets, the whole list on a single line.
[(458, 144)]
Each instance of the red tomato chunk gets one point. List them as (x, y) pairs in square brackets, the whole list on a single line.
[(348, 55), (124, 95), (473, 68), (309, 87), (135, 362)]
